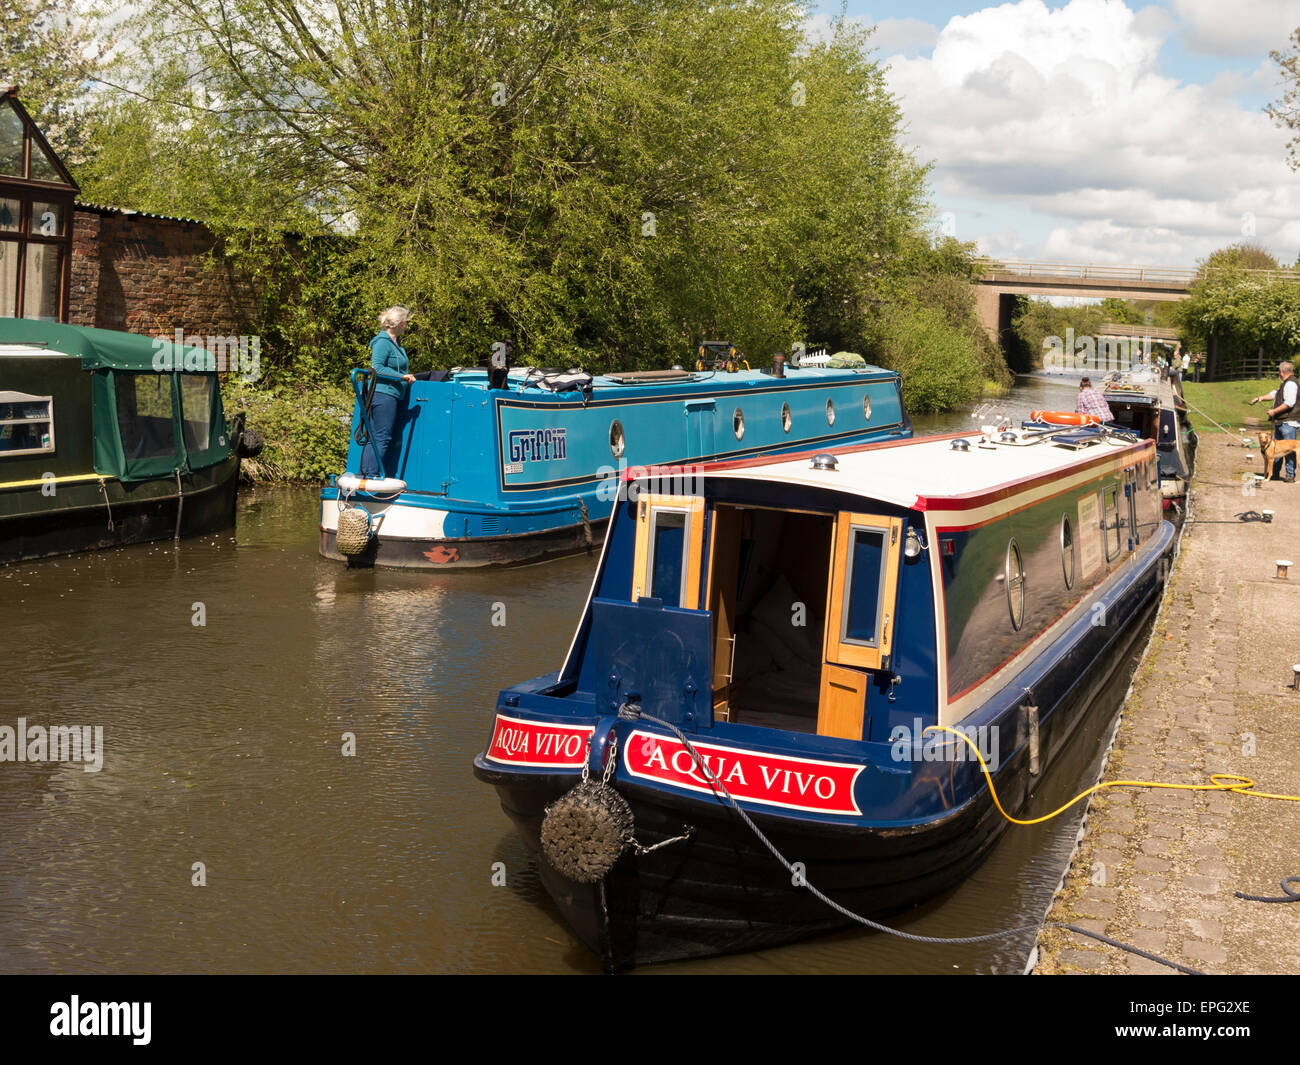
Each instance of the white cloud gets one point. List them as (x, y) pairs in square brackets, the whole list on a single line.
[(890, 36), (1237, 27), (895, 35), (1065, 114)]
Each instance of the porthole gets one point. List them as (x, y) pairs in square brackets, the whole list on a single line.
[(866, 407), (830, 412), (738, 423), (617, 442), (786, 419), (1015, 581), (1067, 550)]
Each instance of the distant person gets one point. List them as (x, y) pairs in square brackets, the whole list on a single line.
[(1285, 415), (1091, 401), (1187, 363), (388, 358)]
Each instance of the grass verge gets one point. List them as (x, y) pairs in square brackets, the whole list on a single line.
[(1228, 403)]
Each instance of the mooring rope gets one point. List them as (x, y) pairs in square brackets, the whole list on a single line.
[(1291, 894), (632, 712), (107, 503), (180, 506)]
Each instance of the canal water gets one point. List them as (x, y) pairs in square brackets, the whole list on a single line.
[(286, 782)]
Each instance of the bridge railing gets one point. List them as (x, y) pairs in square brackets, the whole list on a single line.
[(1087, 271), (1108, 272)]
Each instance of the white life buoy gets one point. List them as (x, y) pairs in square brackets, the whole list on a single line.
[(350, 482)]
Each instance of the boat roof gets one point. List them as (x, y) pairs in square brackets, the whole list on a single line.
[(523, 379), (99, 348), (927, 473)]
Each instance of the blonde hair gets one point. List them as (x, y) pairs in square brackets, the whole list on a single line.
[(394, 316)]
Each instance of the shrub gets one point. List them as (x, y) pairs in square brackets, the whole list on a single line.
[(305, 429), (939, 363)]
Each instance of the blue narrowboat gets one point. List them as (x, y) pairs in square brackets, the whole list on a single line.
[(803, 622), (496, 467)]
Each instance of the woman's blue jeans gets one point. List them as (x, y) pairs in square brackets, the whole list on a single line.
[(374, 455)]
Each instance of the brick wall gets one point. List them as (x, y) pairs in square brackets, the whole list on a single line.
[(150, 275)]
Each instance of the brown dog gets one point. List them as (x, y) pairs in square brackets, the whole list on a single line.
[(1271, 448)]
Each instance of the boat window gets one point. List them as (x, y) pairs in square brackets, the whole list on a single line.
[(786, 419), (667, 566), (830, 412), (866, 407), (865, 579), (738, 423), (864, 582), (144, 415), (1111, 522), (1014, 574), (1067, 550), (670, 532), (617, 441), (1130, 494), (26, 424), (196, 410)]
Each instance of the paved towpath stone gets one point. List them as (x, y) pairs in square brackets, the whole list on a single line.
[(1158, 868)]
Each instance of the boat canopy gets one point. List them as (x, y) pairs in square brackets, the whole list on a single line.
[(156, 407), (106, 348)]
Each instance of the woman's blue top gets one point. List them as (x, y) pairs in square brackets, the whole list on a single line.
[(390, 362)]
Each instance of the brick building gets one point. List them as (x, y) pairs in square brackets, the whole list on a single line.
[(150, 274), (64, 260)]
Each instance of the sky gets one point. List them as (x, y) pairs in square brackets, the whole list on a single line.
[(1094, 131)]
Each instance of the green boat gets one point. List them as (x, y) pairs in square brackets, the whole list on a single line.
[(108, 439)]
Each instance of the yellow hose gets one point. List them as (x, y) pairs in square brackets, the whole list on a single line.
[(1218, 782)]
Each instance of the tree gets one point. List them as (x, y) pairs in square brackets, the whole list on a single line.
[(1240, 256), (596, 180), (1286, 111), (1245, 312), (51, 50)]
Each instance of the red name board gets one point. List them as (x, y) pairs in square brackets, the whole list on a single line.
[(771, 779), (519, 742)]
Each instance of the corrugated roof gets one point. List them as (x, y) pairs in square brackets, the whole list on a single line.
[(110, 209)]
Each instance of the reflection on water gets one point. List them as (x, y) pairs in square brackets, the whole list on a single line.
[(224, 745)]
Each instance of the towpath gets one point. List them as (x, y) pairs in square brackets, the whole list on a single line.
[(1158, 868)]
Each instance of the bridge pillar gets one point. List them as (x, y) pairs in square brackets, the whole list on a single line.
[(988, 305)]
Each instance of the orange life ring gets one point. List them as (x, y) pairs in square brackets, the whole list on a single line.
[(1063, 417)]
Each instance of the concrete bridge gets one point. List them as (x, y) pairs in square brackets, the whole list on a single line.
[(1004, 279)]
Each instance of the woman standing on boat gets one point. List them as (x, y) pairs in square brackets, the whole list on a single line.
[(388, 358)]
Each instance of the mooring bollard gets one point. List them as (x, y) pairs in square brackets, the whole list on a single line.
[(1282, 566), (1295, 678), (1268, 516)]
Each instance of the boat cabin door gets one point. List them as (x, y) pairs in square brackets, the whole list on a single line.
[(669, 538), (860, 610)]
